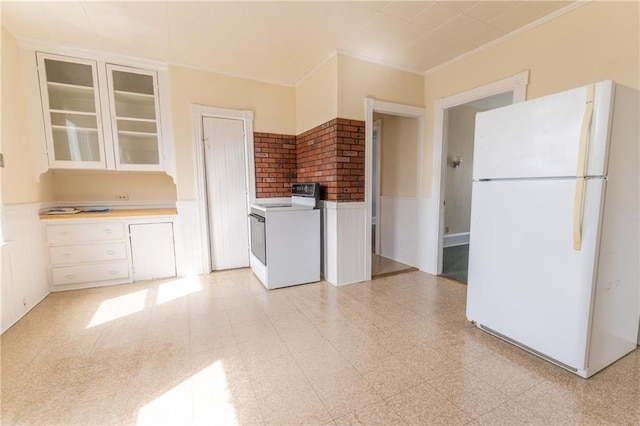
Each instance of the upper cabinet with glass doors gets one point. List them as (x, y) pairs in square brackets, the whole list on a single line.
[(71, 107), (134, 118), (99, 115)]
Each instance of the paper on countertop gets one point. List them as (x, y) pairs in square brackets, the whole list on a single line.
[(97, 209), (63, 210)]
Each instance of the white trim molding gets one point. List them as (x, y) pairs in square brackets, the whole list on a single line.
[(517, 84), (198, 112), (370, 106)]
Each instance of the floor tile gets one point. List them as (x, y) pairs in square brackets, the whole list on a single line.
[(468, 392), (224, 350), (423, 405), (381, 413)]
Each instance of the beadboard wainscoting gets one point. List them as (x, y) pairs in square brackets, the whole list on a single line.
[(24, 262), (399, 236), (191, 241), (343, 242)]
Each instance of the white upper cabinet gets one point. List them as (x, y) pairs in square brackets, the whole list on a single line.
[(98, 111), (71, 109), (134, 118)]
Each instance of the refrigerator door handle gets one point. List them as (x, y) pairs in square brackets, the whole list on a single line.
[(583, 148)]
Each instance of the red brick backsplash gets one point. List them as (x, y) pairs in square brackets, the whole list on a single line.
[(275, 161), (331, 153)]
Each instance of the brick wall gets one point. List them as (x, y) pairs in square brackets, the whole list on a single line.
[(275, 162), (331, 153)]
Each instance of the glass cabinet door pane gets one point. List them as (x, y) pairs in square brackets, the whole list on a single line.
[(138, 149), (136, 128), (72, 110), (76, 145)]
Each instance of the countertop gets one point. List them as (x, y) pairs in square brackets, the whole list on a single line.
[(113, 214)]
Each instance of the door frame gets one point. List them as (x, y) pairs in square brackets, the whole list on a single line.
[(377, 125), (198, 112), (370, 106), (517, 84)]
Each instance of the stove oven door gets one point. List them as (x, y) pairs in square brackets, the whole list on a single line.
[(258, 237)]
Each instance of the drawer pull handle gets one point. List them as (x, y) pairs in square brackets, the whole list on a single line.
[(67, 254), (69, 276), (65, 232), (109, 231), (112, 272), (111, 252)]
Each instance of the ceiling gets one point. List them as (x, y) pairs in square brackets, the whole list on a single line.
[(273, 41)]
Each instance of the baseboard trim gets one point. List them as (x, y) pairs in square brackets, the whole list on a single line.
[(459, 239)]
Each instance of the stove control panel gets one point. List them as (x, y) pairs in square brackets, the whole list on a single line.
[(306, 193)]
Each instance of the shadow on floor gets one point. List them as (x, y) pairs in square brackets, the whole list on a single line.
[(384, 267), (455, 262)]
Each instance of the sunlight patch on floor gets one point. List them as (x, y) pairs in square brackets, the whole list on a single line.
[(209, 392), (119, 307), (177, 288)]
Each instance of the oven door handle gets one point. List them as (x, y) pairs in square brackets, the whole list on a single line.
[(257, 217)]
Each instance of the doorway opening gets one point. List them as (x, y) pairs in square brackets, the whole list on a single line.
[(516, 86), (459, 129), (392, 187)]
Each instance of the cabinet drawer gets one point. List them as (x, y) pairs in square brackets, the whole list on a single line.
[(85, 232), (89, 273), (87, 253)]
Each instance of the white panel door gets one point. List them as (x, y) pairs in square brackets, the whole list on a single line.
[(541, 137), (525, 279), (152, 251), (225, 163)]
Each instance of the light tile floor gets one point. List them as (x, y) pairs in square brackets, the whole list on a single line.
[(220, 349)]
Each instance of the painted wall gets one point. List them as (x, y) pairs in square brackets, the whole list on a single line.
[(597, 41), (106, 186), (273, 107), (317, 97), (18, 180), (460, 123), (358, 80), (399, 152)]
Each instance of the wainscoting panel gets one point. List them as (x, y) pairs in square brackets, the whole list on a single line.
[(343, 251), (399, 229), (329, 241), (24, 262), (191, 241), (351, 250)]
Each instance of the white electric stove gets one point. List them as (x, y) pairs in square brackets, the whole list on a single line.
[(285, 239)]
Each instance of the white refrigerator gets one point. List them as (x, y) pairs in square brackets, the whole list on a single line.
[(555, 226)]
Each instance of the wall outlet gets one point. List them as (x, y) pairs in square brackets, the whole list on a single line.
[(122, 197)]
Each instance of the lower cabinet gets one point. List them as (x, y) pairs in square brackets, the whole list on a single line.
[(92, 253), (152, 250)]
